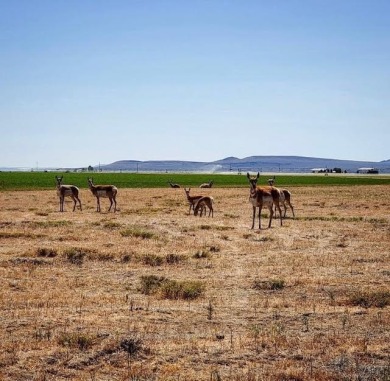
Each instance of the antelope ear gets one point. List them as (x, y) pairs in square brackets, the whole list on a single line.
[(258, 175), (247, 175)]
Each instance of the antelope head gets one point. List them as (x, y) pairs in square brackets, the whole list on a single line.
[(253, 180), (59, 180)]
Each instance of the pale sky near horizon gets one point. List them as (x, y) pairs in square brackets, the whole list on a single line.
[(93, 81)]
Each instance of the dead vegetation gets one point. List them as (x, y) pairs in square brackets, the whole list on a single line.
[(152, 293)]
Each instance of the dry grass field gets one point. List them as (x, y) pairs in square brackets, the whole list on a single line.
[(152, 293)]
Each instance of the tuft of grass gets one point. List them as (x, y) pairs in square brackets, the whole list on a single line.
[(152, 260), (51, 224), (379, 299), (187, 290), (274, 284), (151, 283), (45, 252), (131, 345), (173, 259), (171, 289), (76, 340), (137, 232), (201, 254), (112, 225), (75, 255)]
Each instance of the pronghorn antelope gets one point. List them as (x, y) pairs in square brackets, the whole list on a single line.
[(67, 191), (192, 200), (263, 196), (108, 191), (286, 199), (173, 185), (271, 181), (207, 185), (201, 206)]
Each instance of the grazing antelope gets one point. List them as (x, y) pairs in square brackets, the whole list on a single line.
[(67, 191), (207, 185), (192, 200), (173, 185), (201, 206), (109, 191), (263, 196)]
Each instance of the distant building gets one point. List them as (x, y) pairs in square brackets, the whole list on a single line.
[(319, 170), (368, 170)]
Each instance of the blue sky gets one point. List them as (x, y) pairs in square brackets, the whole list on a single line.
[(92, 81)]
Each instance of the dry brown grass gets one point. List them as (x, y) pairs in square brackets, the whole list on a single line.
[(72, 307)]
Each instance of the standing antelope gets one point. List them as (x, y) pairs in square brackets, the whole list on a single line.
[(207, 185), (67, 191), (192, 200), (263, 196), (108, 191), (201, 205), (271, 181), (286, 199)]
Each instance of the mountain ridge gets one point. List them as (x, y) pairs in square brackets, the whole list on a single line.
[(300, 164)]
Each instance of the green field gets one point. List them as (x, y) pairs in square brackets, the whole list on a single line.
[(46, 180)]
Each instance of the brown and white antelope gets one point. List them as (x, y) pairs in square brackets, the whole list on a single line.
[(201, 206), (263, 196), (192, 200), (271, 181), (107, 191), (286, 199), (67, 191), (207, 185), (173, 185)]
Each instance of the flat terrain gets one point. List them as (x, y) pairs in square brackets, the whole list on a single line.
[(97, 296)]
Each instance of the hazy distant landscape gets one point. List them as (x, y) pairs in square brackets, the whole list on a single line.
[(282, 164)]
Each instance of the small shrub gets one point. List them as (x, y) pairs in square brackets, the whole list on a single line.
[(111, 225), (45, 252), (188, 290), (275, 284), (151, 283), (131, 345), (80, 341), (75, 255), (152, 260), (379, 299), (173, 259), (103, 257), (170, 289), (200, 254)]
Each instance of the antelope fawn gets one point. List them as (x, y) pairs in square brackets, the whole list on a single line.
[(201, 206), (192, 200)]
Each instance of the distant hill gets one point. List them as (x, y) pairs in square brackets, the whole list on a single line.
[(285, 164)]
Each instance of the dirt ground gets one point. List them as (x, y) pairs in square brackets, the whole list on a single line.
[(308, 300)]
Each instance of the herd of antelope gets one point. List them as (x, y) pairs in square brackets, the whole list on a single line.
[(268, 197)]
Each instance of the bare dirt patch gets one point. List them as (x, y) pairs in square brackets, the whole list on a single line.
[(305, 301)]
